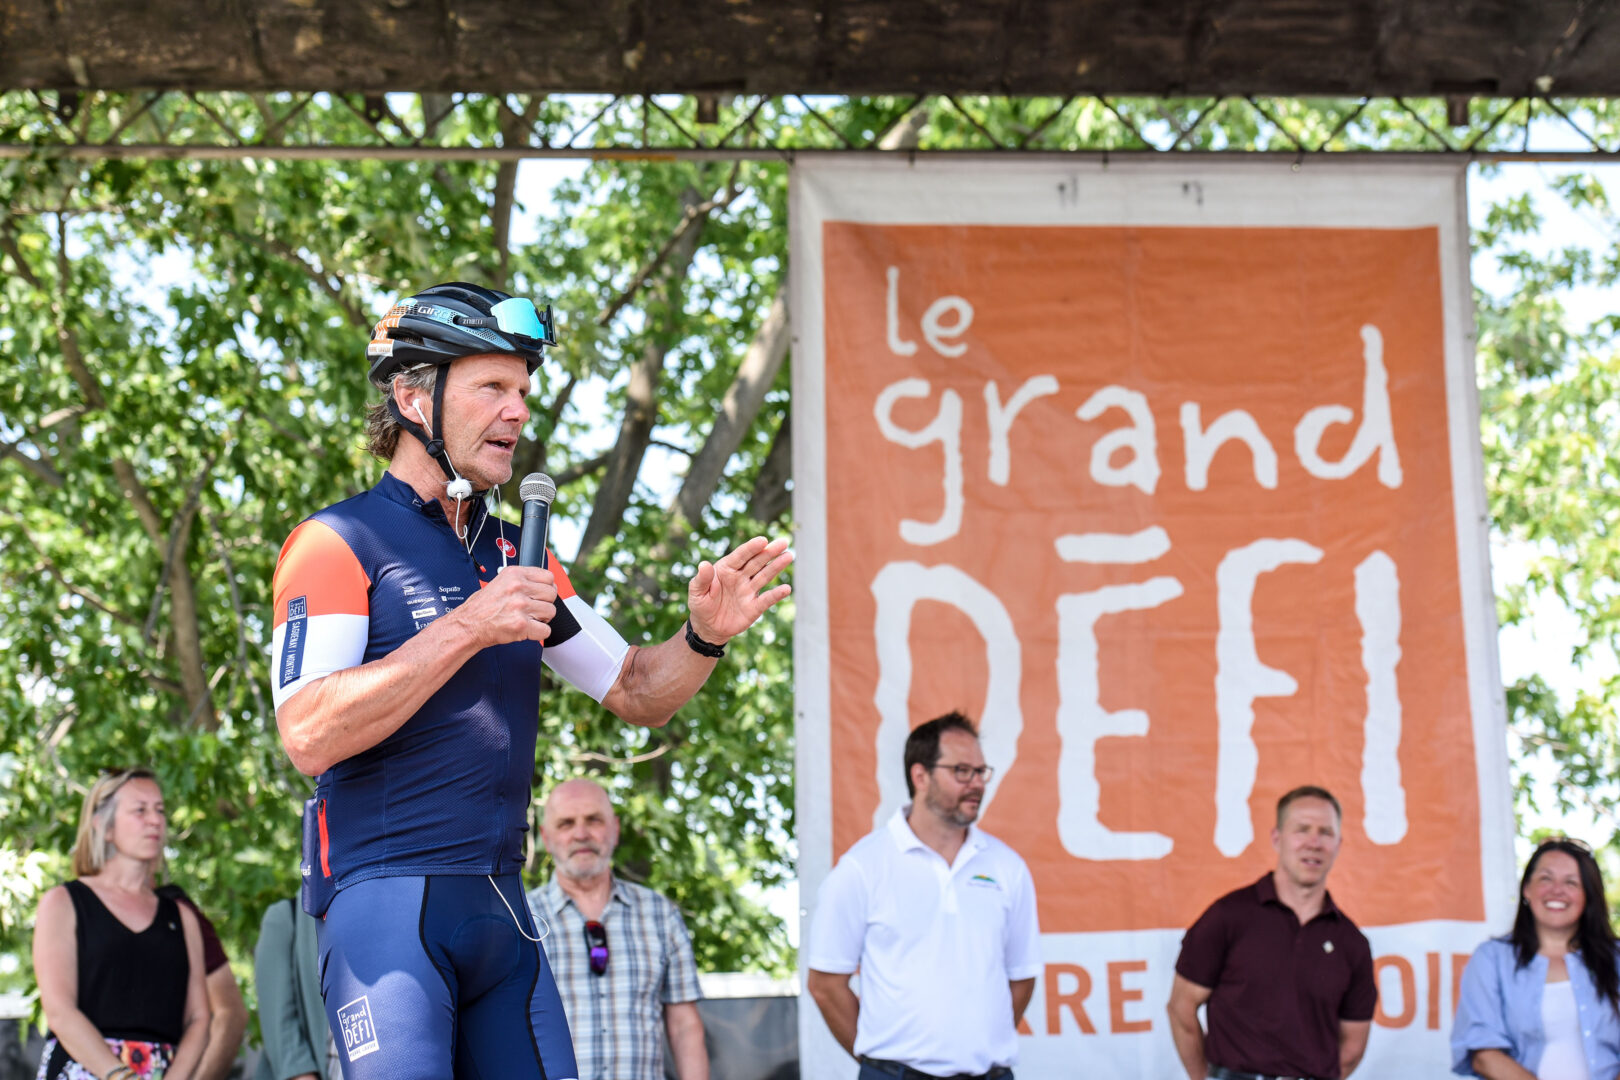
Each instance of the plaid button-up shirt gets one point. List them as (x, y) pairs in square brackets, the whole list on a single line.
[(617, 1018)]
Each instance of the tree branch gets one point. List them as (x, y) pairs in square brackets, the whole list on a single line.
[(514, 129), (49, 566), (641, 397), (695, 213), (738, 408), (671, 447), (179, 532), (332, 288), (560, 402), (39, 466), (588, 755), (582, 469), (771, 495), (241, 615)]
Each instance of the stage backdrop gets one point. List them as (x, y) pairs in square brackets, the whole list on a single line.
[(1168, 472)]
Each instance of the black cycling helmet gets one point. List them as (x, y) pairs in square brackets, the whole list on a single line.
[(445, 323), (456, 319)]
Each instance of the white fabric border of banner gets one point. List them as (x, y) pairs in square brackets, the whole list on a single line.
[(1013, 190)]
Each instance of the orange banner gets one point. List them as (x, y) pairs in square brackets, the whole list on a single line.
[(1132, 351), (1169, 476)]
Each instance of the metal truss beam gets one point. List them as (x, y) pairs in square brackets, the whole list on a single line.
[(171, 125)]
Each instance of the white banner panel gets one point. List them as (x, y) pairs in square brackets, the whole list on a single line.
[(1169, 473)]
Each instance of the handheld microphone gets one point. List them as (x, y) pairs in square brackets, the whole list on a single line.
[(536, 491)]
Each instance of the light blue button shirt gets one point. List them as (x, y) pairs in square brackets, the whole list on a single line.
[(1499, 1008)]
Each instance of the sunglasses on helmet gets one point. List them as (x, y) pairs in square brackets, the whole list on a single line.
[(517, 316)]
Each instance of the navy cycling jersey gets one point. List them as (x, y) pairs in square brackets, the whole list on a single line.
[(448, 792)]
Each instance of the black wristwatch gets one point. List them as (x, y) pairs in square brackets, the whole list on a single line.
[(701, 647)]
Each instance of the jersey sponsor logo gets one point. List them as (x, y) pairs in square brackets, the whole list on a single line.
[(359, 1033), (425, 612), (506, 548), (292, 646)]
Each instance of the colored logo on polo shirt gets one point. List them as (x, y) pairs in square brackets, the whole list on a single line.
[(506, 548), (984, 881)]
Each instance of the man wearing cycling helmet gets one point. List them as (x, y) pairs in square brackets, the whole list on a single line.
[(406, 671)]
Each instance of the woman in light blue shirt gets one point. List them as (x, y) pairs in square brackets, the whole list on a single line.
[(1541, 1003)]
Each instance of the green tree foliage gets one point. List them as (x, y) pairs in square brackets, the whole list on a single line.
[(158, 441)]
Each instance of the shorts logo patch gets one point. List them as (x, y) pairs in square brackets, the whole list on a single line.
[(292, 645), (359, 1033)]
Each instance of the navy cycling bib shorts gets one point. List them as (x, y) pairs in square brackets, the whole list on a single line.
[(428, 960), (435, 978)]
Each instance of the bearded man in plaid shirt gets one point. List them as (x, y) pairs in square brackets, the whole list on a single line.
[(621, 953)]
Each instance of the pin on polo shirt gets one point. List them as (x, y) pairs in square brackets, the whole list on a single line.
[(1327, 946)]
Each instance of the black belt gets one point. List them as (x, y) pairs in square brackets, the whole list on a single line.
[(901, 1071), (1221, 1072)]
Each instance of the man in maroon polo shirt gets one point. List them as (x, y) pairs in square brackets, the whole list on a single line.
[(1287, 976)]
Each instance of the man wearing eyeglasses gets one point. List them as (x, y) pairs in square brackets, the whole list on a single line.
[(939, 918), (620, 951), (407, 652)]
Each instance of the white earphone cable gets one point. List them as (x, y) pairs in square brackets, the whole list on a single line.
[(544, 927)]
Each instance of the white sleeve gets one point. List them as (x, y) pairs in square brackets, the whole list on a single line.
[(838, 930), (589, 660), (1023, 944)]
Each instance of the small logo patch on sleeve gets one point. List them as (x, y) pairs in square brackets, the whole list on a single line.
[(292, 646)]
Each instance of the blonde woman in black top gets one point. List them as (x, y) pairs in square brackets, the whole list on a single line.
[(120, 969)]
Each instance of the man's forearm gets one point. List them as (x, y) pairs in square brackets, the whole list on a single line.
[(1022, 991), (1188, 1036), (350, 711), (841, 1009), (656, 681), (685, 1028), (227, 1021)]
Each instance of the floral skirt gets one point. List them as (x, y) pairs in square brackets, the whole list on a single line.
[(146, 1059)]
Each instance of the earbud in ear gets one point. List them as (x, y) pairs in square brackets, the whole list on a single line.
[(417, 407)]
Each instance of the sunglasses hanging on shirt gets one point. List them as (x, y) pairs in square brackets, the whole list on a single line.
[(596, 946)]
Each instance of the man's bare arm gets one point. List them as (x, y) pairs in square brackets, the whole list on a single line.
[(838, 1004), (1185, 998), (1352, 1044), (350, 711), (227, 1021), (1022, 991), (724, 599), (685, 1029)]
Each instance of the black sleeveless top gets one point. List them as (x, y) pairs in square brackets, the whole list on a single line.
[(131, 985)]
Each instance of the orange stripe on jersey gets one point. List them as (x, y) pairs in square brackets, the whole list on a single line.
[(316, 564), (565, 588)]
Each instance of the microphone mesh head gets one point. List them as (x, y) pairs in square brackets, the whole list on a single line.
[(537, 485)]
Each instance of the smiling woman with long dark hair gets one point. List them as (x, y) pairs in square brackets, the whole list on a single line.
[(1543, 1003)]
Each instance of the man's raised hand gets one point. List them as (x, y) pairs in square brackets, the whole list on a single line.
[(725, 596)]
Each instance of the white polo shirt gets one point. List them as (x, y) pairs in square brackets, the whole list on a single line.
[(935, 945)]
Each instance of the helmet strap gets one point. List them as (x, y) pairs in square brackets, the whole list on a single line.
[(434, 447)]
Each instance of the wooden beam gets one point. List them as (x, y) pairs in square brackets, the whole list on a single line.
[(1155, 47)]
